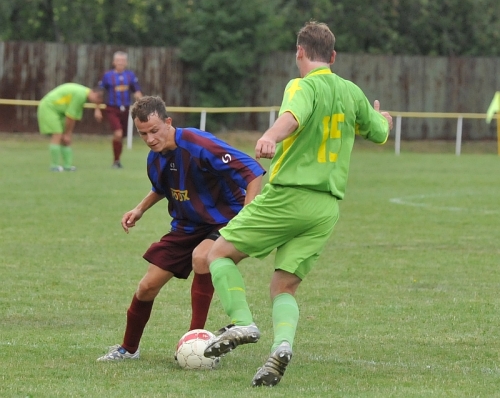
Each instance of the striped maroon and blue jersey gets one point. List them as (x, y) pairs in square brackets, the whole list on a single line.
[(119, 87), (204, 179)]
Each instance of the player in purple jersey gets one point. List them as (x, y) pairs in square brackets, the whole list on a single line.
[(121, 85), (206, 183)]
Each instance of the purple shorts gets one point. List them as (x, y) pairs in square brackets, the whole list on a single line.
[(174, 250), (117, 117)]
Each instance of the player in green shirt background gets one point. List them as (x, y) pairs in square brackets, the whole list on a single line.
[(310, 145), (57, 114)]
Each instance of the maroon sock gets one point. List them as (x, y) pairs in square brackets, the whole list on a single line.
[(117, 149), (137, 318), (202, 292)]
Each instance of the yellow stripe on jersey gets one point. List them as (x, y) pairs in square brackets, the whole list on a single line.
[(293, 89), (64, 100), (322, 71), (287, 143)]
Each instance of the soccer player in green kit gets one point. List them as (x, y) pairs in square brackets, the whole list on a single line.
[(310, 145), (57, 114)]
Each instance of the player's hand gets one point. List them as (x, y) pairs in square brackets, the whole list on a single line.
[(66, 139), (98, 115), (129, 219), (376, 106), (265, 148)]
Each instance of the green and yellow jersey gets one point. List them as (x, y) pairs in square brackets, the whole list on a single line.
[(67, 99), (330, 111)]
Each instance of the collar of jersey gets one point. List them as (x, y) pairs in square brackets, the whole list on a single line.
[(323, 70)]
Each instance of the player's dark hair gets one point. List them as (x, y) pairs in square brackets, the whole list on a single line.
[(146, 106), (99, 90), (96, 95), (317, 40)]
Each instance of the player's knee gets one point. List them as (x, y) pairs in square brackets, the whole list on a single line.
[(200, 262), (283, 282), (224, 249), (217, 251), (147, 290)]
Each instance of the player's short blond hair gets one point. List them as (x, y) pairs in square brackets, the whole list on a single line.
[(317, 40), (120, 54)]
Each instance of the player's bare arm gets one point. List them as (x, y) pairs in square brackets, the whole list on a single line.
[(130, 217), (98, 114), (376, 106), (253, 189), (283, 127)]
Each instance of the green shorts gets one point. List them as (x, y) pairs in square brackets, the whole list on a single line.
[(49, 121), (295, 221)]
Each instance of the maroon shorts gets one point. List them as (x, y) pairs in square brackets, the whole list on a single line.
[(174, 251), (117, 117)]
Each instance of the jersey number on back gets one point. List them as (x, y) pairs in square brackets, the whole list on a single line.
[(331, 133)]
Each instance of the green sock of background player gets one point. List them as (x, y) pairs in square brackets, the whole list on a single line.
[(230, 288), (67, 155), (55, 153), (285, 319)]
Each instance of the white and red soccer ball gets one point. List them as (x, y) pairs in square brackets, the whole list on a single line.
[(190, 348)]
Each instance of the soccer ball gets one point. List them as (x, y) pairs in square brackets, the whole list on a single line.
[(190, 348)]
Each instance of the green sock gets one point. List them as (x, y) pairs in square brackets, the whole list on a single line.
[(55, 152), (285, 319), (67, 155), (230, 288)]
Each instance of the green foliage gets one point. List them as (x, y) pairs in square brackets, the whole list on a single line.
[(403, 302), (448, 27), (223, 43), (415, 27), (131, 22)]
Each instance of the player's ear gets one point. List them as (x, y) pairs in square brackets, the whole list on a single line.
[(300, 52), (332, 57)]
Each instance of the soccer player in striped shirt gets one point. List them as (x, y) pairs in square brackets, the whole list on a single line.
[(206, 182), (121, 86), (310, 146)]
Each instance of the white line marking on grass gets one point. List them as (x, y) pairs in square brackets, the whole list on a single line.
[(464, 369), (416, 201), (409, 365)]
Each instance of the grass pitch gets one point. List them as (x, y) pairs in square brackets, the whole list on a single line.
[(403, 302)]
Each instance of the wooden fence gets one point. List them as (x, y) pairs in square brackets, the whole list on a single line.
[(401, 83)]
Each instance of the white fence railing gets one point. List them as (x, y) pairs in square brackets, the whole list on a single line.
[(272, 116)]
